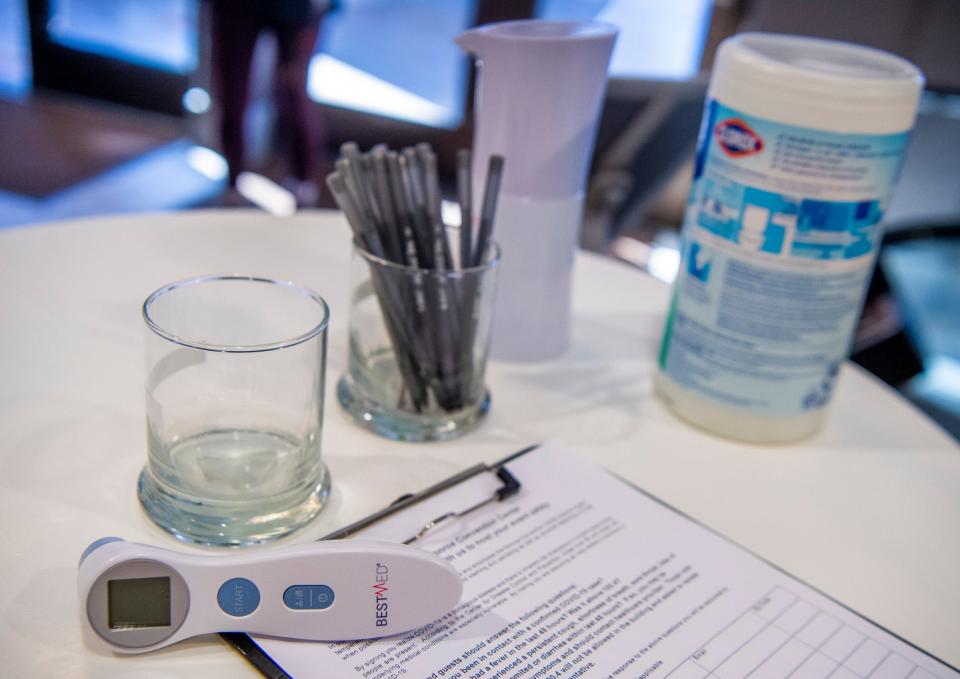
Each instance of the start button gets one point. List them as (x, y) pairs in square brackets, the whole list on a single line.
[(238, 597)]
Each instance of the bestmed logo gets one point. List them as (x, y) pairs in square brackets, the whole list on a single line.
[(380, 600), (736, 138)]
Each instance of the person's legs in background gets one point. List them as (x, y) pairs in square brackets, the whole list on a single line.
[(300, 116), (235, 30)]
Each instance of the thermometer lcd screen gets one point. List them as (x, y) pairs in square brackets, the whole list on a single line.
[(138, 602)]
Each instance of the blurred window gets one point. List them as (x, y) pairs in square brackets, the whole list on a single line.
[(395, 58), (160, 34), (658, 39), (14, 48)]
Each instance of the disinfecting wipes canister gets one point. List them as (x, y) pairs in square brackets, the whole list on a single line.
[(800, 143)]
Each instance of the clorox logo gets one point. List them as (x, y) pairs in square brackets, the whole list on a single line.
[(736, 138)]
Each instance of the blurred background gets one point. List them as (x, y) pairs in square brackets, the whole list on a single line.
[(110, 106)]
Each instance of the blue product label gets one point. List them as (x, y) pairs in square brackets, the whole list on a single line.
[(780, 235)]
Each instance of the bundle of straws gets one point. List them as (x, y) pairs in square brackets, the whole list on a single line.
[(392, 202)]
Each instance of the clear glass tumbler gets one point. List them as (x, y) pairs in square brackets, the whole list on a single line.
[(418, 348), (234, 390)]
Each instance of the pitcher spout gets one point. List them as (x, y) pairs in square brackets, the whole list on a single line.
[(470, 41)]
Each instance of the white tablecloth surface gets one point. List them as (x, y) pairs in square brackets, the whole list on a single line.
[(868, 510)]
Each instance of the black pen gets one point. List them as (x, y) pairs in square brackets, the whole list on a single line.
[(381, 188), (464, 196), (414, 216), (431, 185), (490, 192), (449, 333)]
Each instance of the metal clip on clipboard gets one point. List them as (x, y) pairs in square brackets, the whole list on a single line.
[(249, 649)]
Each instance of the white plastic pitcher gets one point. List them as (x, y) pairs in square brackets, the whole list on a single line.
[(539, 90)]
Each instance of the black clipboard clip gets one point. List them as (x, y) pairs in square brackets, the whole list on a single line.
[(509, 488), (249, 649)]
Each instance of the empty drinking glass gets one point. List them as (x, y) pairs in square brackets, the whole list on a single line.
[(234, 390)]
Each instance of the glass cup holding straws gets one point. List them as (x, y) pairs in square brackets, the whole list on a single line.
[(421, 308)]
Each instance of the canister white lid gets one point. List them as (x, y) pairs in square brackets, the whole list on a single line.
[(822, 84)]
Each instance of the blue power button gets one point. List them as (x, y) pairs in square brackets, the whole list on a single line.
[(238, 597), (308, 597)]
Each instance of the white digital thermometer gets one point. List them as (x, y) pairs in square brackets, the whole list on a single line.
[(137, 598)]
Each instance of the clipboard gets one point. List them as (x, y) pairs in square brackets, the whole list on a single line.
[(262, 662), (509, 485)]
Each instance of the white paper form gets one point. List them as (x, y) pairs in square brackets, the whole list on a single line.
[(581, 575)]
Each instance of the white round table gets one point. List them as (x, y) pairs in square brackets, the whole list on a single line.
[(867, 511)]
